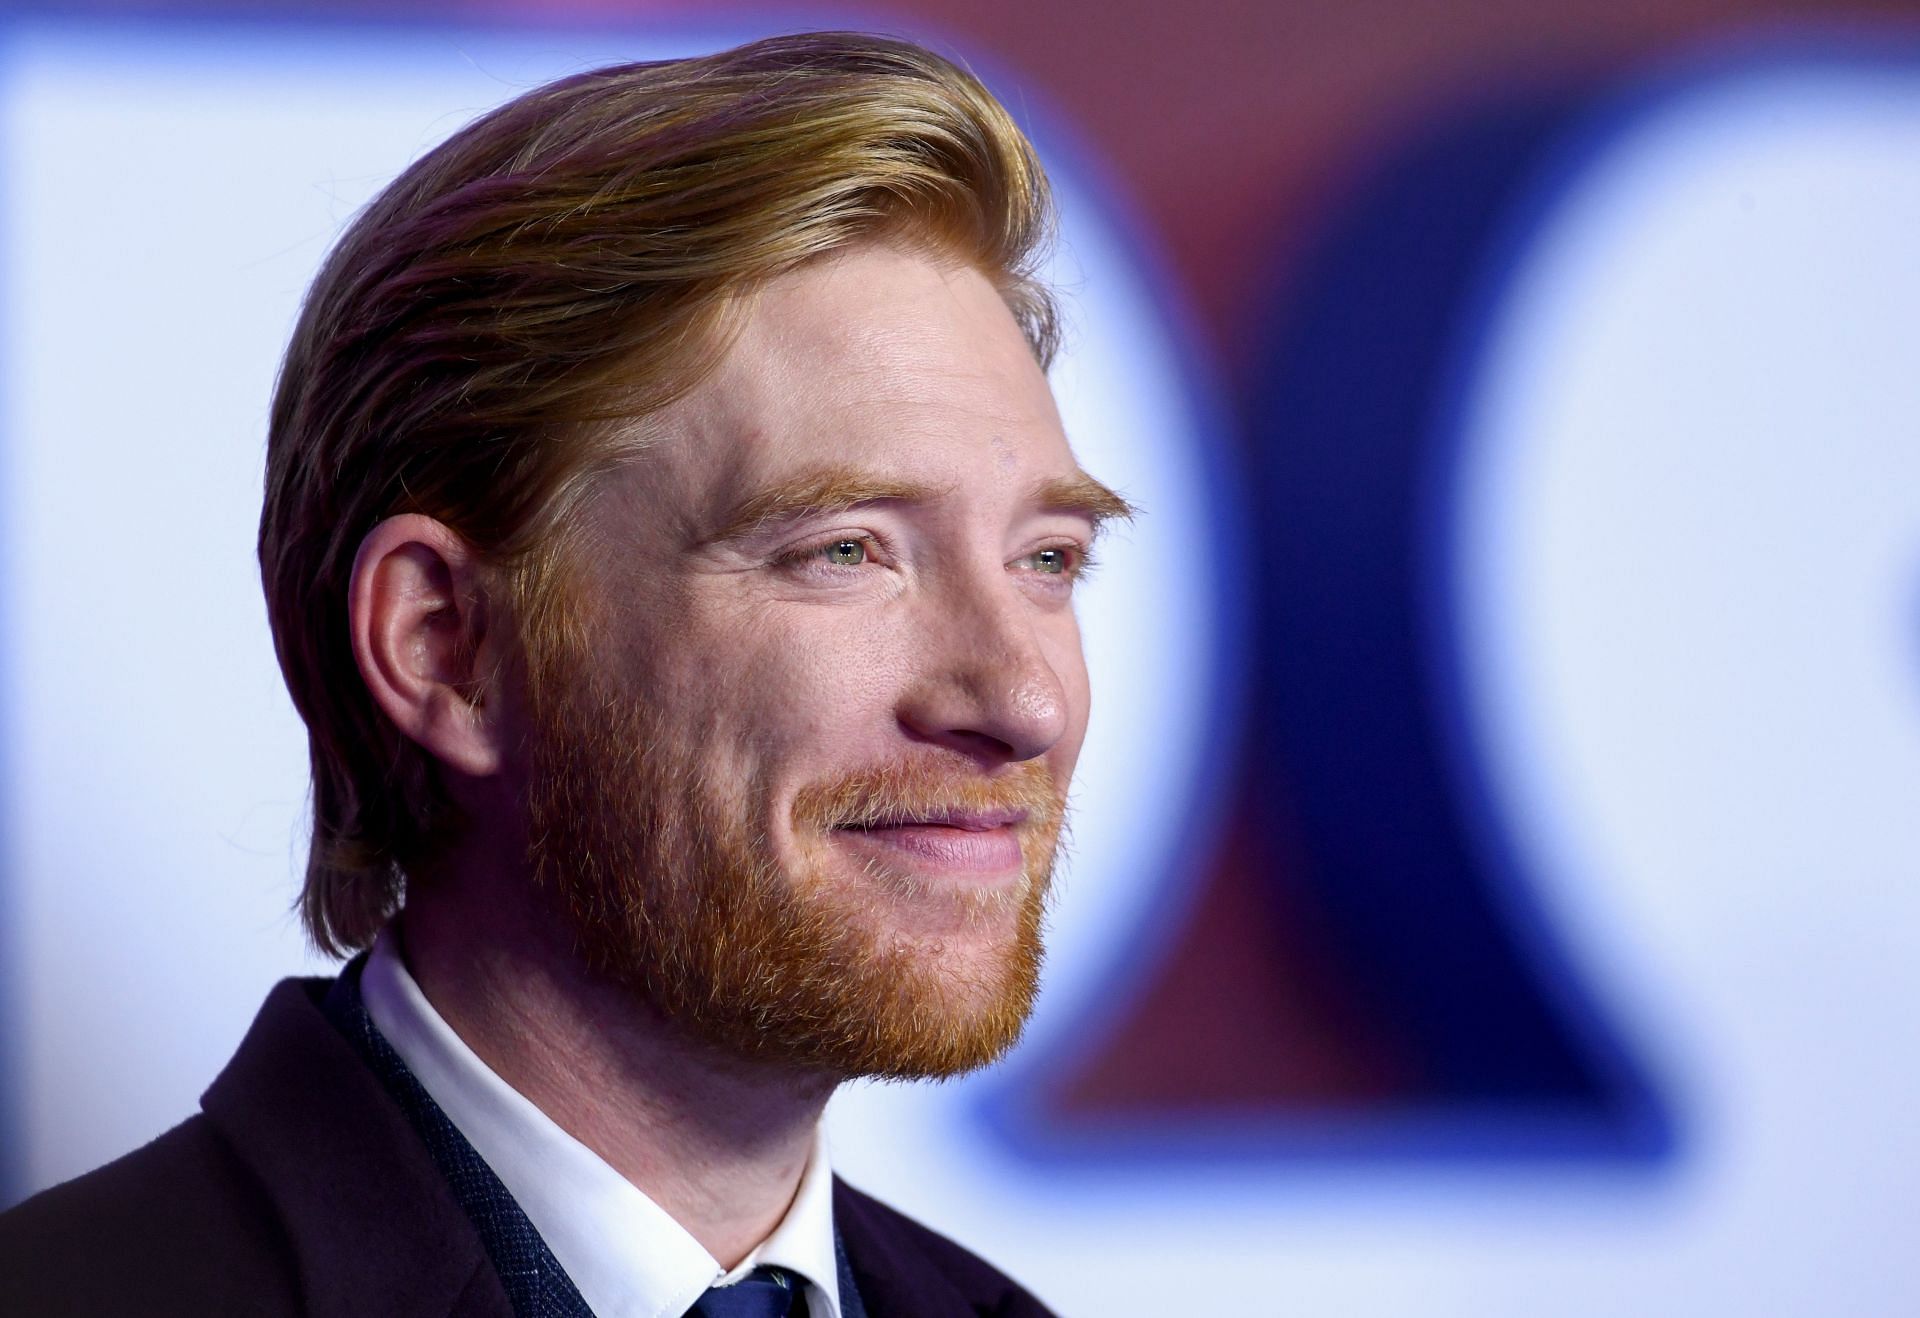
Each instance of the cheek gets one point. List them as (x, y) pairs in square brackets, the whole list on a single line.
[(799, 694)]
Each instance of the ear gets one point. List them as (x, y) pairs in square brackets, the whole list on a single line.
[(416, 608)]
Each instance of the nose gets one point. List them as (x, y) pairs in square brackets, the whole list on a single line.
[(987, 686)]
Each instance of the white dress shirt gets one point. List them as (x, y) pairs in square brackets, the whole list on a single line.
[(627, 1257)]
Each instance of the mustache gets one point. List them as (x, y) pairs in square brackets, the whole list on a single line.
[(916, 790)]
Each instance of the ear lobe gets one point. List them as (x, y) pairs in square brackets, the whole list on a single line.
[(416, 610)]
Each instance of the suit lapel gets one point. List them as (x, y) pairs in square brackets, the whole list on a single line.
[(890, 1277), (370, 1219)]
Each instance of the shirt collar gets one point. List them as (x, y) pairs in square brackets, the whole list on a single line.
[(624, 1253), (803, 1242)]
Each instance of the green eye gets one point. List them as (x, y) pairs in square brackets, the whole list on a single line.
[(846, 553), (1053, 561)]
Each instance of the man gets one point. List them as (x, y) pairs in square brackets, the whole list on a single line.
[(669, 542)]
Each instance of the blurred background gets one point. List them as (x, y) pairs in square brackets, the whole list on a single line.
[(1496, 877)]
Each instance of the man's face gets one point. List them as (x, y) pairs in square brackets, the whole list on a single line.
[(801, 777)]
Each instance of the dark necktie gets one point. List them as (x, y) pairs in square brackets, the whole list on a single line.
[(762, 1293)]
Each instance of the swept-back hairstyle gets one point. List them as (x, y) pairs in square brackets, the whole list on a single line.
[(478, 342)]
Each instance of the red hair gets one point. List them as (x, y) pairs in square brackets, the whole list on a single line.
[(559, 267)]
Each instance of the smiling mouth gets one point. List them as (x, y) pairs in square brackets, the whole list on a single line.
[(968, 821), (978, 843)]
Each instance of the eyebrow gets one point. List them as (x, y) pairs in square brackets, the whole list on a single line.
[(1082, 495), (829, 490), (836, 489)]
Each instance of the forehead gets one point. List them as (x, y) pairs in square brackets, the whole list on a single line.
[(878, 358)]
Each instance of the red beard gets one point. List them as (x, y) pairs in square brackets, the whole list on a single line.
[(671, 889)]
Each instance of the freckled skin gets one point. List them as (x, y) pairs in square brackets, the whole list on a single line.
[(784, 668)]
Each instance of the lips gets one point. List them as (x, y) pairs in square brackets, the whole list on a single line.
[(971, 821), (966, 842), (927, 819)]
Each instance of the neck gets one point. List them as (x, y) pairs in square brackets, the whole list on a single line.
[(718, 1141)]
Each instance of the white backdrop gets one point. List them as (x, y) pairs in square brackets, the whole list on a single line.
[(1685, 534)]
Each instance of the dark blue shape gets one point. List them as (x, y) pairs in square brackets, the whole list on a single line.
[(1352, 417)]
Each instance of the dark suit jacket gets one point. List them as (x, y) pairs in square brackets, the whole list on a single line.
[(300, 1188)]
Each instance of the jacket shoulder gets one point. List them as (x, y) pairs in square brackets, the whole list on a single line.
[(900, 1265), (300, 1188), (178, 1226)]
